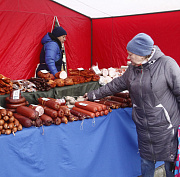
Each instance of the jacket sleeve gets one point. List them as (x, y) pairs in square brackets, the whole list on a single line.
[(172, 73), (51, 50), (116, 85)]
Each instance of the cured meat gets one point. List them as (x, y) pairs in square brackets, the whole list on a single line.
[(68, 81), (38, 108), (91, 114), (119, 99), (24, 121), (86, 106), (15, 101), (49, 103), (61, 75), (59, 82), (14, 106), (121, 94), (50, 112), (47, 120), (27, 112)]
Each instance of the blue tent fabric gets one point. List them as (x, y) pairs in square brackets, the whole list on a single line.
[(101, 147)]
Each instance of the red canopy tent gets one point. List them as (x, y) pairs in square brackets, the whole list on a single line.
[(24, 23)]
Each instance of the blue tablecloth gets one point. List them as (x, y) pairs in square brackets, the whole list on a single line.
[(102, 147)]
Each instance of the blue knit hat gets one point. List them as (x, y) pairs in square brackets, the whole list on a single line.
[(141, 44), (58, 31)]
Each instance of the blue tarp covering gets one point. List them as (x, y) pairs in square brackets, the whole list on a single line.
[(104, 148)]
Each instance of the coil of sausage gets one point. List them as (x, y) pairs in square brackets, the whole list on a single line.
[(15, 101), (15, 105)]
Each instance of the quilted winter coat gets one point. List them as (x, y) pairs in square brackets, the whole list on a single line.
[(154, 89), (51, 56)]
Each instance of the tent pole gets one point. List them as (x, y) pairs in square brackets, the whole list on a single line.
[(91, 42)]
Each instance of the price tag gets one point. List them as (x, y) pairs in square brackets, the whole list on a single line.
[(16, 94), (83, 104), (45, 99)]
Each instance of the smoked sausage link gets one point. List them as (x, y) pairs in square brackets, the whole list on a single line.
[(24, 121), (27, 112), (91, 114), (49, 103), (87, 106), (47, 120)]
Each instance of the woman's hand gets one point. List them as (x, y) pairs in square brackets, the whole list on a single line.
[(85, 96)]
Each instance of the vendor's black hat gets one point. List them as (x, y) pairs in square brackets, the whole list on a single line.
[(58, 31)]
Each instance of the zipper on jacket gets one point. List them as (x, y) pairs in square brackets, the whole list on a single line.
[(142, 72)]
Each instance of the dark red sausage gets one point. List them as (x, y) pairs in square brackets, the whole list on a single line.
[(91, 114), (27, 112), (47, 120), (24, 121)]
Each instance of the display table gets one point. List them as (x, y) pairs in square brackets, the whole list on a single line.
[(57, 92), (104, 148)]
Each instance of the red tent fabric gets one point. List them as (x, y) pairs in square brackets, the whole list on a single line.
[(111, 35), (24, 23)]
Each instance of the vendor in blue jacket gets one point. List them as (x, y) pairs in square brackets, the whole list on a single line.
[(51, 53), (153, 81)]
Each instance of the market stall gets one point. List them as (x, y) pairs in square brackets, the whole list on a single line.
[(104, 146)]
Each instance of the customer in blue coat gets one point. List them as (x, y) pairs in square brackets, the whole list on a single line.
[(153, 81), (51, 53)]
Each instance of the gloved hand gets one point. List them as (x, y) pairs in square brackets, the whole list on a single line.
[(85, 96)]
